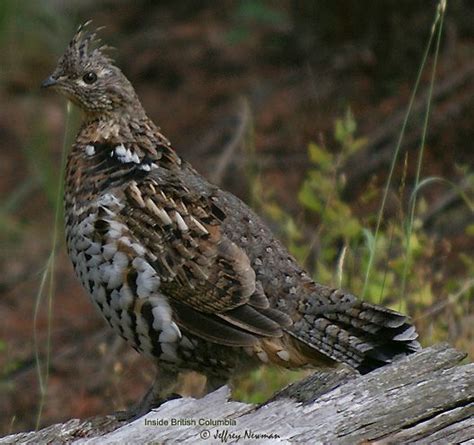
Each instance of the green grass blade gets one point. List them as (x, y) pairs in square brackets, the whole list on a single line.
[(399, 144), (47, 281), (459, 190), (440, 17)]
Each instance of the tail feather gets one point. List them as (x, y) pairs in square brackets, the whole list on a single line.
[(363, 335)]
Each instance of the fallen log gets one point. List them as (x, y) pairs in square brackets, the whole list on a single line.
[(427, 398)]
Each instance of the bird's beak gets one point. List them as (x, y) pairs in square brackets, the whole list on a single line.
[(49, 82)]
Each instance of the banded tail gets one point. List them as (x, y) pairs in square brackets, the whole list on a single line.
[(363, 335)]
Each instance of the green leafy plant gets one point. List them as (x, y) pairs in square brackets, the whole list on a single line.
[(396, 255)]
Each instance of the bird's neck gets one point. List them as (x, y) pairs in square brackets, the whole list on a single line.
[(117, 123), (136, 132)]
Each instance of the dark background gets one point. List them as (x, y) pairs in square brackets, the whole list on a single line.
[(258, 81)]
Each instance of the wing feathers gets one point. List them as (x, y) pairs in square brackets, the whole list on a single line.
[(207, 278), (249, 319), (258, 299), (211, 328)]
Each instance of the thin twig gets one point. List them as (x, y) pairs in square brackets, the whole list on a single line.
[(225, 159), (450, 300)]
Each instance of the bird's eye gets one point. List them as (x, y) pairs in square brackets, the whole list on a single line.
[(89, 77)]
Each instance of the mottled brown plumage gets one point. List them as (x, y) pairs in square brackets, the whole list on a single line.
[(185, 272)]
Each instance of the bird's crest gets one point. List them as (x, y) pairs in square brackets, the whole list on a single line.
[(85, 46)]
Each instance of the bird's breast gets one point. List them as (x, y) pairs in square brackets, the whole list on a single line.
[(122, 283)]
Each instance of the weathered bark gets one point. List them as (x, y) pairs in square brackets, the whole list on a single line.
[(425, 398)]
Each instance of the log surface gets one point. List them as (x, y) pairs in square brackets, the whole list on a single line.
[(425, 399)]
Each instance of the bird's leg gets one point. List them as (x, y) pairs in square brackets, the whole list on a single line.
[(161, 391), (215, 382)]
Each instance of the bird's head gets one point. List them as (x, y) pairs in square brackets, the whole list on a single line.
[(87, 76)]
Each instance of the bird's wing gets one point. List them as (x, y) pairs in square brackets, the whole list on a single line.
[(207, 278)]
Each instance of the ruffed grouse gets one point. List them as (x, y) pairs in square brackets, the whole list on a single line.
[(186, 273)]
